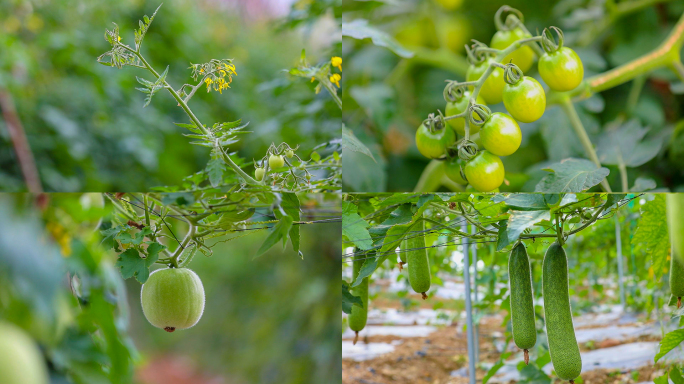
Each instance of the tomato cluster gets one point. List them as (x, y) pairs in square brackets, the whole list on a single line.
[(524, 98)]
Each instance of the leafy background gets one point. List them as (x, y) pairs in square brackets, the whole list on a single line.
[(85, 122), (271, 319), (398, 55)]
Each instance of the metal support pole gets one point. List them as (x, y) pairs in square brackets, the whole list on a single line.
[(618, 247), (469, 307), (475, 300)]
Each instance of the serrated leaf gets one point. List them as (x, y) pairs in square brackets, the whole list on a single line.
[(652, 233), (215, 169), (669, 342), (571, 175), (132, 264)]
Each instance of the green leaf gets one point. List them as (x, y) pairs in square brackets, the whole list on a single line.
[(626, 145), (290, 204), (215, 169), (369, 266), (354, 227), (348, 299), (132, 264), (279, 232), (495, 368), (642, 184), (669, 342), (676, 376), (359, 29), (521, 220), (651, 233), (661, 379), (571, 175), (350, 142), (528, 201)]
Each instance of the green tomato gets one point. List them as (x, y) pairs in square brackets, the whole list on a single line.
[(275, 161), (21, 362), (561, 70), (453, 31), (492, 88), (485, 172), (259, 173), (173, 298), (289, 153), (457, 107), (433, 145), (452, 168), (500, 134), (523, 57), (525, 100)]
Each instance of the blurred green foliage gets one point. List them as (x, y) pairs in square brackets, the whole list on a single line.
[(390, 91), (272, 319), (85, 122)]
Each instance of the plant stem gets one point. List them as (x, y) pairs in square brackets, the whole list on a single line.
[(665, 55), (430, 179), (623, 173), (581, 133), (22, 148), (248, 179)]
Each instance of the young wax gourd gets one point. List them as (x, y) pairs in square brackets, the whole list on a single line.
[(359, 315), (676, 278), (417, 258), (563, 347), (522, 305)]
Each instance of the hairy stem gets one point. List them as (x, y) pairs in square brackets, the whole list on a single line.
[(248, 179)]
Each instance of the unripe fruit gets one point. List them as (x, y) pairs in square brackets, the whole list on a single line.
[(289, 153), (522, 305), (259, 174), (173, 298), (359, 315), (418, 263), (20, 359), (563, 347), (276, 161)]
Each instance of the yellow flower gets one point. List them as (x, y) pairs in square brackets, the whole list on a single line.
[(336, 61), (222, 72), (201, 70), (335, 79), (119, 38), (312, 79)]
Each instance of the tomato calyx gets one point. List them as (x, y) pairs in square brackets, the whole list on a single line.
[(467, 150), (479, 114), (513, 19), (512, 74), (548, 42)]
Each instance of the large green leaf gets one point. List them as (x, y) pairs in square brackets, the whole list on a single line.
[(354, 227), (651, 233), (359, 29), (571, 175)]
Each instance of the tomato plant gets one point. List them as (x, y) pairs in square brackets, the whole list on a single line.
[(485, 172), (500, 134), (560, 67), (524, 99), (613, 125), (433, 141)]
